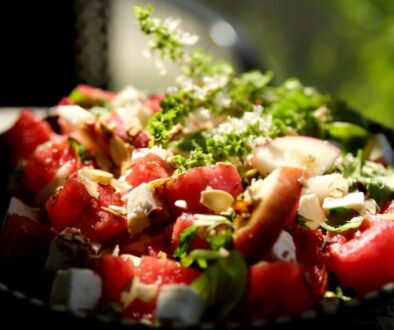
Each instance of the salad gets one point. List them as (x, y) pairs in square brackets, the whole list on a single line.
[(223, 198)]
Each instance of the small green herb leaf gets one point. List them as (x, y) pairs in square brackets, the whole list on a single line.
[(185, 241), (353, 223), (223, 284), (79, 149)]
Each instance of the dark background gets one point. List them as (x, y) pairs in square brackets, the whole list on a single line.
[(36, 52), (343, 47)]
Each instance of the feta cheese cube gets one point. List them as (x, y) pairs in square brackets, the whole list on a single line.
[(354, 201), (310, 209), (17, 207), (179, 304), (284, 248), (76, 289)]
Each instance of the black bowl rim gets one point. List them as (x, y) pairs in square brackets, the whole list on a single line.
[(320, 312)]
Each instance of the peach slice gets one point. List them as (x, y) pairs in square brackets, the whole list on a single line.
[(277, 204), (313, 155)]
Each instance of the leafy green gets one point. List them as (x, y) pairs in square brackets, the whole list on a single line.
[(220, 240), (87, 101), (201, 256), (199, 65), (185, 241), (247, 90), (292, 107), (79, 149), (223, 284), (196, 158), (371, 176), (168, 41), (353, 223), (339, 215), (351, 136), (338, 294), (219, 236)]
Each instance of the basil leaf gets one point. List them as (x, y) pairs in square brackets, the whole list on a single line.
[(223, 284), (351, 136), (353, 223), (220, 240), (185, 241)]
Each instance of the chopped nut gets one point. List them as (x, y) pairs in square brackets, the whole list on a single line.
[(216, 200), (120, 151)]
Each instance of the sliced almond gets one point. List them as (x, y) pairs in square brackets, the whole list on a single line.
[(120, 186), (203, 220), (216, 200), (141, 201), (98, 176), (138, 290), (103, 162), (115, 210), (120, 151), (158, 182), (57, 181), (92, 177)]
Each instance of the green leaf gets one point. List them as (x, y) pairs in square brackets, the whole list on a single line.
[(196, 158), (223, 284), (378, 189), (185, 241), (79, 149), (346, 131), (340, 215), (338, 295), (375, 178), (220, 240), (353, 223), (351, 136)]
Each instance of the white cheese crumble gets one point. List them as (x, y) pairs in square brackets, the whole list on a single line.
[(75, 116), (181, 204), (17, 207), (76, 289), (284, 248), (132, 106), (354, 201), (179, 304), (310, 209)]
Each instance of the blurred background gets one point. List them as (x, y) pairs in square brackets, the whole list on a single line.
[(343, 47)]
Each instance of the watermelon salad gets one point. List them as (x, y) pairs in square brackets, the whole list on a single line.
[(221, 198)]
